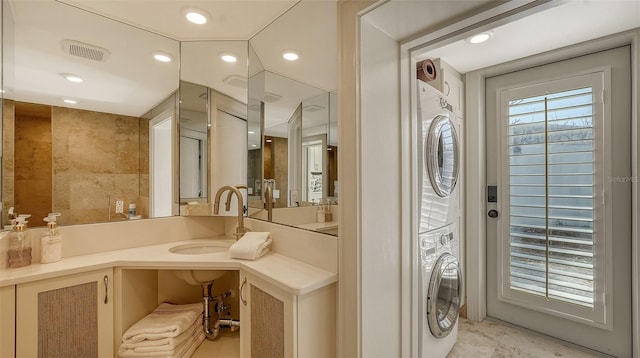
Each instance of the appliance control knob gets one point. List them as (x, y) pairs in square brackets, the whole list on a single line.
[(445, 238)]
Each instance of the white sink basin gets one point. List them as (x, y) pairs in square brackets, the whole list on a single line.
[(199, 277), (199, 248)]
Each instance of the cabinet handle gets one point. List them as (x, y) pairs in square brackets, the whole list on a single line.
[(106, 289), (244, 282)]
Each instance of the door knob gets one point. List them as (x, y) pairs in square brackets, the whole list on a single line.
[(493, 213)]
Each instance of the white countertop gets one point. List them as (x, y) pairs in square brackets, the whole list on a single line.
[(319, 226), (292, 276)]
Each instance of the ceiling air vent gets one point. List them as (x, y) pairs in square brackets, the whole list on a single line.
[(312, 108), (84, 50), (236, 81), (271, 97)]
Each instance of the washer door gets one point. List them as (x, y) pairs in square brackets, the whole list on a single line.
[(441, 155), (443, 299)]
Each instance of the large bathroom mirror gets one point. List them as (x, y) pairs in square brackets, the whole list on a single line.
[(292, 118), (213, 122), (89, 119)]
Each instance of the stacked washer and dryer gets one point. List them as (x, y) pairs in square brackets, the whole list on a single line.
[(438, 241)]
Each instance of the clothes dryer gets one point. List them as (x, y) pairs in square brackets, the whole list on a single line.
[(438, 159)]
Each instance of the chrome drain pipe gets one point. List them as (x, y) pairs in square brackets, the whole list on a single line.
[(206, 314), (232, 323), (207, 299)]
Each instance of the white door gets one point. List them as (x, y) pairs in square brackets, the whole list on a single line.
[(559, 152), (161, 165)]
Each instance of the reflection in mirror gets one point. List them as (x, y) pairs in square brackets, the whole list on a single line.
[(297, 161), (213, 123), (255, 123), (77, 106), (294, 104), (194, 128)]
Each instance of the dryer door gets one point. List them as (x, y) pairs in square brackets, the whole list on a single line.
[(443, 299), (441, 155)]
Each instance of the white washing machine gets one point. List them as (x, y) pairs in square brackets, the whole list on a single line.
[(440, 275), (439, 299), (438, 159)]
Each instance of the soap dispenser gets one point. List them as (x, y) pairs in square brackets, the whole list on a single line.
[(19, 253), (320, 213), (12, 219), (51, 241)]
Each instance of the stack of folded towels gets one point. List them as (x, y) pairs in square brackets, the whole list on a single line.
[(169, 331)]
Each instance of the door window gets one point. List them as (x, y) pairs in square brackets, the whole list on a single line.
[(554, 237)]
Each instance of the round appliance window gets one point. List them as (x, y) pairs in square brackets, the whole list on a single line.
[(443, 299), (441, 155)]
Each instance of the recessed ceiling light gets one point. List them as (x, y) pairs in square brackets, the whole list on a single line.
[(290, 55), (72, 78), (197, 17), (479, 38), (228, 57), (268, 140), (162, 57), (252, 132), (70, 101)]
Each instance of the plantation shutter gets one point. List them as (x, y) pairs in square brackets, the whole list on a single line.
[(551, 174)]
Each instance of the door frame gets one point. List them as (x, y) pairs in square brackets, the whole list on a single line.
[(476, 158)]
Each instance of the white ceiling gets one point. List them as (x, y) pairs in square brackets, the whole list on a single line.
[(129, 82), (228, 19), (568, 22)]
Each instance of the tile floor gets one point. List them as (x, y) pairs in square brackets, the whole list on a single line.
[(487, 339), (495, 339)]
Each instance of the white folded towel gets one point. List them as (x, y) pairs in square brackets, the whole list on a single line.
[(166, 321), (163, 344), (251, 246), (181, 346)]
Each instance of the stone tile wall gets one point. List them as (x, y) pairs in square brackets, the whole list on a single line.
[(91, 158), (96, 162)]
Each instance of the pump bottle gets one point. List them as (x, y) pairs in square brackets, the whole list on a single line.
[(51, 241), (19, 253)]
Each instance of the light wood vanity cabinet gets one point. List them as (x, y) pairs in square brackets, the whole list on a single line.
[(276, 323), (7, 320), (67, 316)]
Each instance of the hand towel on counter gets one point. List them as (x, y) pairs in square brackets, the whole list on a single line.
[(166, 321), (251, 246)]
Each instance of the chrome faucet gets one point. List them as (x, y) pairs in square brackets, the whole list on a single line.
[(268, 198), (240, 230)]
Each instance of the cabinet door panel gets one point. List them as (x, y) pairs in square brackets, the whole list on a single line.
[(68, 321), (7, 320), (270, 324), (267, 324), (68, 316)]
